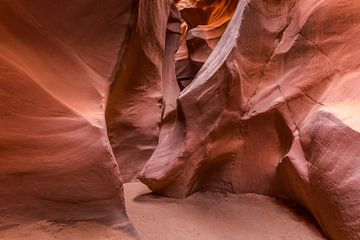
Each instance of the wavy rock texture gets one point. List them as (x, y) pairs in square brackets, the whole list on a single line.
[(58, 60), (204, 23), (144, 84), (273, 110), (90, 91)]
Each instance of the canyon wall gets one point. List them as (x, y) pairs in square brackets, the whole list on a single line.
[(232, 96), (273, 110), (144, 84), (73, 75)]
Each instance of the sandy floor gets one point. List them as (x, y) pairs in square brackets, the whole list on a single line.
[(202, 216), (43, 230), (209, 216)]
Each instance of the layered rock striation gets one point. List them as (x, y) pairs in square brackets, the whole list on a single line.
[(240, 96), (273, 110), (74, 75)]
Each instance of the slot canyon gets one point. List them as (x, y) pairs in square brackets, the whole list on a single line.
[(179, 119)]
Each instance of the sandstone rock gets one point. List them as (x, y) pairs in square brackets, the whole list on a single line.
[(204, 23), (273, 110), (145, 81), (58, 61), (91, 95)]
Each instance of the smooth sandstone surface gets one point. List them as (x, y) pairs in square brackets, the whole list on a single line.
[(204, 22), (273, 110), (144, 82), (229, 96), (57, 61)]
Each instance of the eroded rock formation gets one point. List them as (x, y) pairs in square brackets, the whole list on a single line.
[(204, 22), (90, 96), (273, 110), (57, 62), (145, 81), (63, 66)]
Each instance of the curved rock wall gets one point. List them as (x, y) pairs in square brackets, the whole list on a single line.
[(136, 101), (204, 22), (273, 110), (58, 61), (89, 98)]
